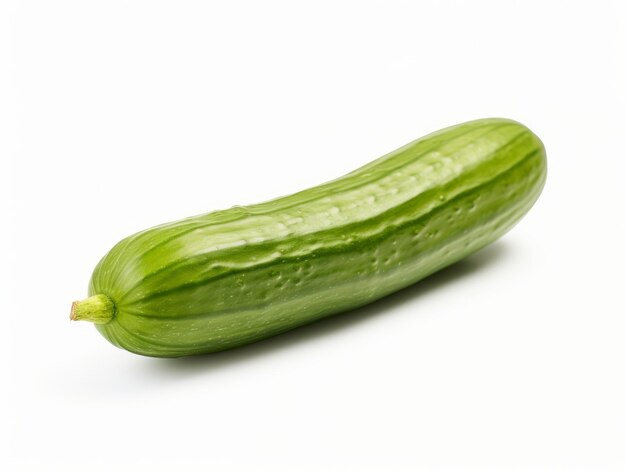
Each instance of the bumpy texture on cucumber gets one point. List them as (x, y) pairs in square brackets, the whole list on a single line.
[(229, 278)]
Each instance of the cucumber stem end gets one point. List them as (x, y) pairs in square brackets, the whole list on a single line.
[(98, 309)]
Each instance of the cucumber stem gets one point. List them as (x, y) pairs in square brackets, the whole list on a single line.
[(98, 309)]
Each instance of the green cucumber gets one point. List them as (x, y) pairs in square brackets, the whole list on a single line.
[(228, 278)]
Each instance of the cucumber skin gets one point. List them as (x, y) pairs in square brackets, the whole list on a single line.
[(233, 277)]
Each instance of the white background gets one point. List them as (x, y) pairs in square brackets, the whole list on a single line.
[(120, 115)]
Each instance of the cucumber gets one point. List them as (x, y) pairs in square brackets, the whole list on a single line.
[(228, 278)]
